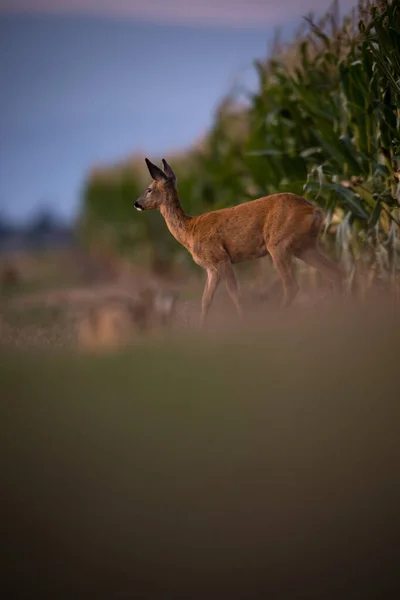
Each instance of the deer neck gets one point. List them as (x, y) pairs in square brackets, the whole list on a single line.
[(175, 217)]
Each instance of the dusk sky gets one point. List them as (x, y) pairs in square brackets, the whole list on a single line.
[(86, 82)]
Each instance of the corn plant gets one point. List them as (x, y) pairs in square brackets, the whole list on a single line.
[(324, 121)]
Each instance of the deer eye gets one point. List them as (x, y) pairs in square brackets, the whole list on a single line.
[(149, 190)]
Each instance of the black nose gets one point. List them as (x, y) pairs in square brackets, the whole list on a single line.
[(138, 206)]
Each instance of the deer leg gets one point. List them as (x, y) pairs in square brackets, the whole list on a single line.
[(325, 265), (274, 286), (213, 278), (282, 260), (233, 287)]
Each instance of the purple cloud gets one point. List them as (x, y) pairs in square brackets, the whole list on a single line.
[(250, 13)]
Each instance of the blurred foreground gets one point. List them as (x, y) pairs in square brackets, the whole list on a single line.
[(253, 460)]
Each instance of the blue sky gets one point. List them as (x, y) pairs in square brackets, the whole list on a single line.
[(80, 89)]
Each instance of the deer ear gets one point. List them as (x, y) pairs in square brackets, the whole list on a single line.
[(168, 171), (155, 172)]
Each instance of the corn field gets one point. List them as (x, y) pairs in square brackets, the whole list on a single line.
[(324, 122)]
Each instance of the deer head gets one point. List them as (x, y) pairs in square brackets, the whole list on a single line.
[(158, 192)]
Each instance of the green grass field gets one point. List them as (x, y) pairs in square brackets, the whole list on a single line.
[(259, 462)]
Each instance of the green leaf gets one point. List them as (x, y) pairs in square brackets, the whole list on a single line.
[(267, 152), (376, 213), (310, 152)]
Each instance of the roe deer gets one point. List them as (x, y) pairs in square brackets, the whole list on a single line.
[(282, 225)]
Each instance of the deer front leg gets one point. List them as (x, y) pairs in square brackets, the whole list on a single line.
[(213, 278)]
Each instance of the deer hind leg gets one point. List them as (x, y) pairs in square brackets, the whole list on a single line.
[(325, 265), (213, 279), (282, 259), (232, 287)]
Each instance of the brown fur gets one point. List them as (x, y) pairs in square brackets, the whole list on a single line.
[(282, 225)]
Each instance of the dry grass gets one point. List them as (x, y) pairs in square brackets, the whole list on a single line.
[(121, 311)]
